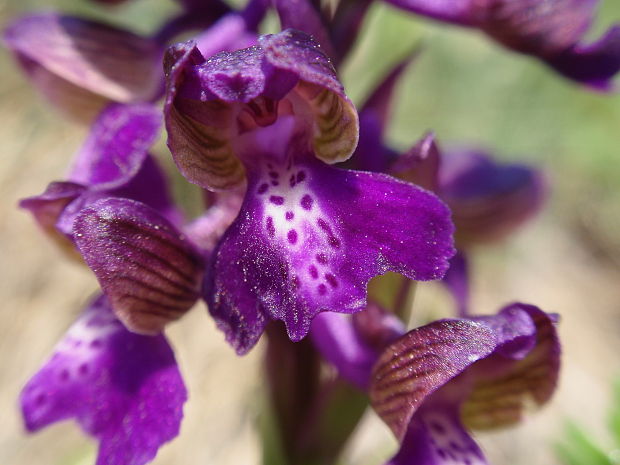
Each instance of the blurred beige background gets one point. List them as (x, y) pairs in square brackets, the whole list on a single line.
[(566, 261)]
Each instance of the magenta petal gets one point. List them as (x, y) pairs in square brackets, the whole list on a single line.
[(117, 145), (457, 282), (123, 389), (313, 242), (437, 437), (336, 339), (303, 15), (420, 164), (48, 206), (595, 64)]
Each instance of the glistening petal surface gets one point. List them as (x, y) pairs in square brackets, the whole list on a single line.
[(308, 239)]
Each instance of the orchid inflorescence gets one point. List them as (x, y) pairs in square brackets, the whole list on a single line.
[(305, 204)]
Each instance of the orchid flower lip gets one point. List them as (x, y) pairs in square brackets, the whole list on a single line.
[(123, 389)]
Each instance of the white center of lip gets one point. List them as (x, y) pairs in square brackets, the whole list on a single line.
[(293, 217)]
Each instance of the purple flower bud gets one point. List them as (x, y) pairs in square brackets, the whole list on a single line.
[(488, 200)]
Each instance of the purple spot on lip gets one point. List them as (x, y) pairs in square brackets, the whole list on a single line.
[(64, 375), (96, 343), (271, 229), (321, 258), (313, 272), (322, 289), (331, 279), (301, 176), (275, 183), (306, 202), (324, 226), (292, 236), (438, 428), (273, 174), (334, 242), (292, 181), (276, 200), (289, 215), (263, 188), (83, 369)]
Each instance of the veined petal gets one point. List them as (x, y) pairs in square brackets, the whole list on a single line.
[(309, 238), (503, 390), (486, 370), (74, 101), (537, 27), (201, 150), (336, 126), (112, 63), (116, 146), (422, 361), (148, 270), (123, 389), (211, 103)]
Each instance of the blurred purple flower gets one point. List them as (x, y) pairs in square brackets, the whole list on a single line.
[(551, 30), (81, 65)]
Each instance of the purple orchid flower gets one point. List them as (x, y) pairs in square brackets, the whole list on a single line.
[(122, 388), (551, 30), (308, 237), (81, 65), (115, 212), (432, 383)]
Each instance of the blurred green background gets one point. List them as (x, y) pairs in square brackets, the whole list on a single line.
[(470, 92)]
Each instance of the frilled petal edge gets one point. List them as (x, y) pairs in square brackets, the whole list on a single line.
[(310, 237)]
